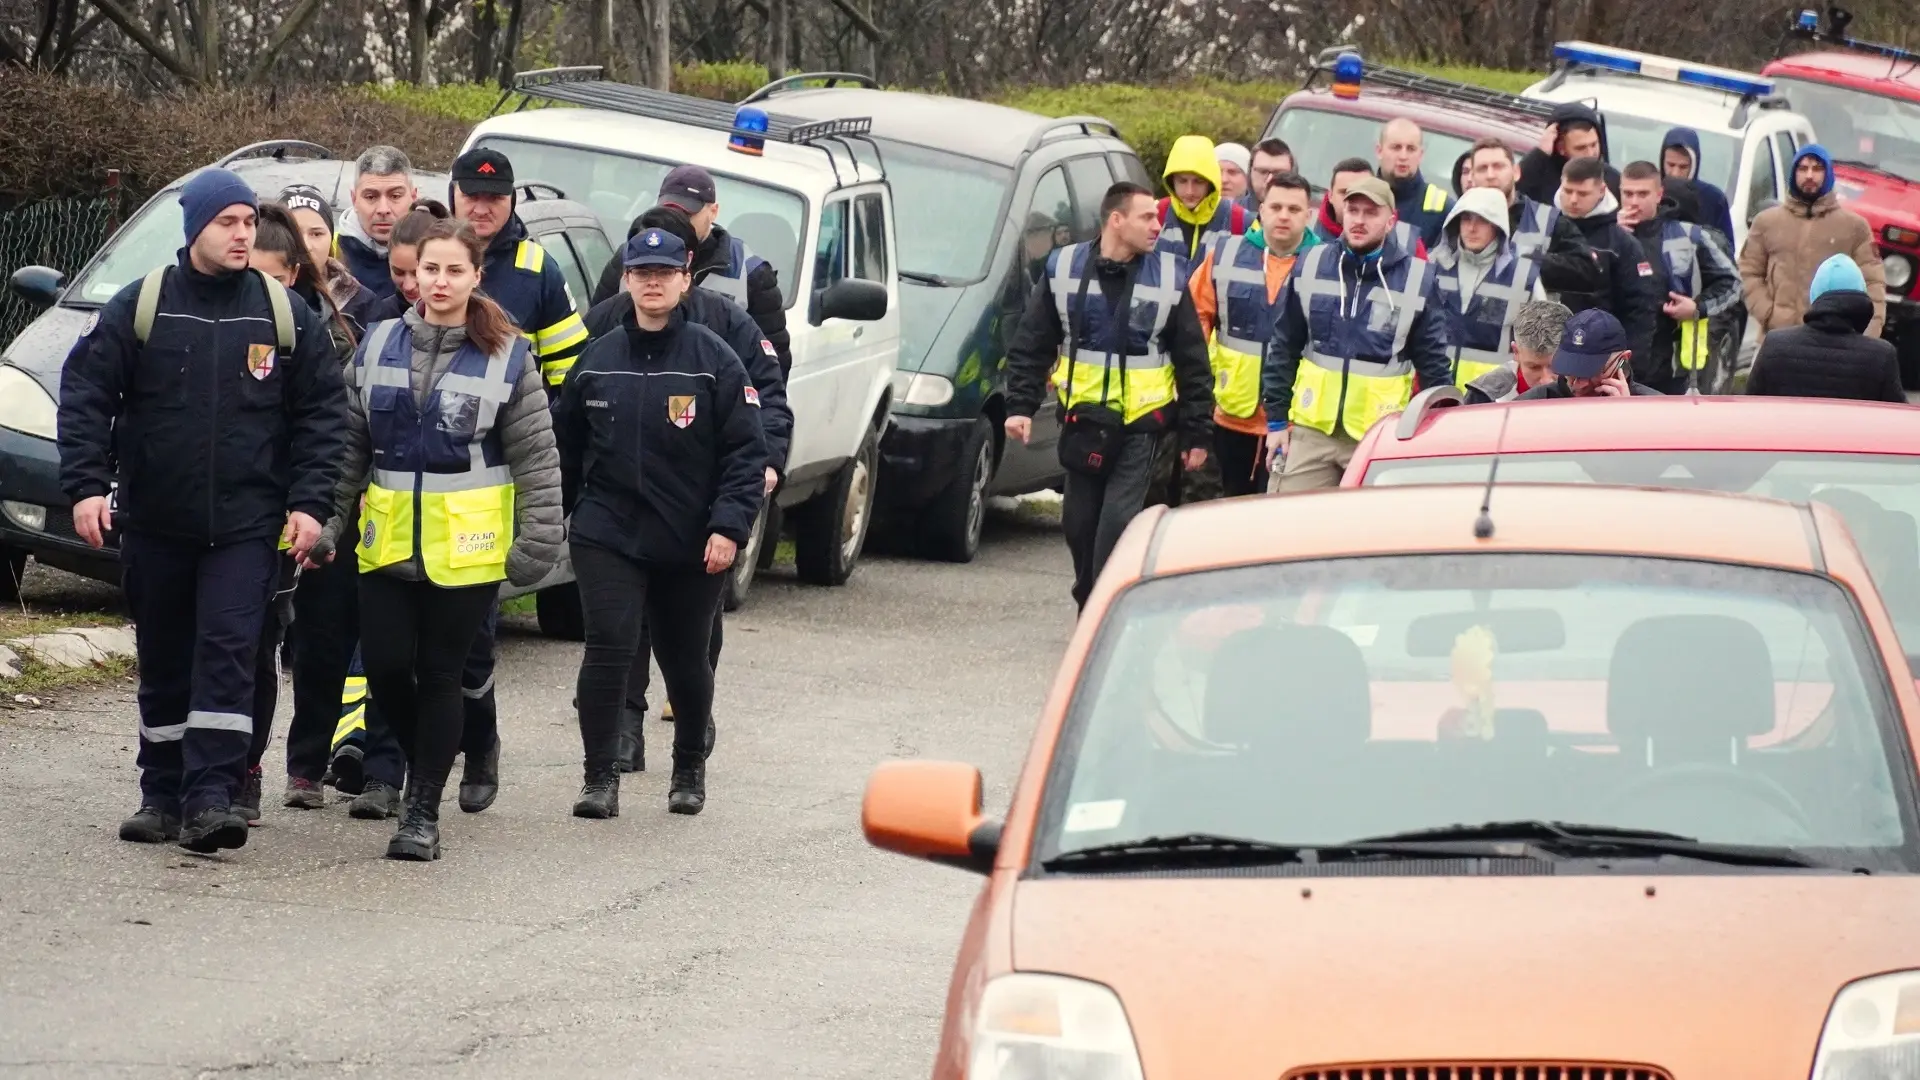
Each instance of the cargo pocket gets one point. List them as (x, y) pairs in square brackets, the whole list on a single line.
[(479, 529), (386, 528)]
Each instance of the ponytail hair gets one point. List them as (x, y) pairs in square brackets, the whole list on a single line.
[(488, 325), (279, 234), (413, 225)]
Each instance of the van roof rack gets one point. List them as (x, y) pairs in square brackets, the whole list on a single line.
[(1085, 125), (589, 87), (1430, 85), (277, 149), (798, 82)]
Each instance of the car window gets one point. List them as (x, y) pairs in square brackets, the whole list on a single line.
[(949, 209), (561, 252), (151, 239), (1878, 495), (1090, 180), (1128, 167), (1640, 138), (1321, 139), (594, 251), (618, 186), (830, 252), (870, 239), (1766, 187), (1784, 147), (1326, 701), (1048, 222)]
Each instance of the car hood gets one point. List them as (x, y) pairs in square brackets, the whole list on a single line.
[(1882, 198), (41, 349), (924, 311), (1715, 975)]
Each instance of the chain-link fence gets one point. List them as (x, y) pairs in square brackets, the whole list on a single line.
[(61, 233)]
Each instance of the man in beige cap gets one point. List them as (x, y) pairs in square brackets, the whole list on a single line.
[(1358, 320)]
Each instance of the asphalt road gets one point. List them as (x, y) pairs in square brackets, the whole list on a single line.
[(762, 938)]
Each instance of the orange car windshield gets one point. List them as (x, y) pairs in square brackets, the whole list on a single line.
[(1321, 702), (1878, 494)]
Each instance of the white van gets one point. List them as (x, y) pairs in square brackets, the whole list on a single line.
[(812, 201)]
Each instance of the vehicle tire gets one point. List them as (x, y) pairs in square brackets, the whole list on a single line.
[(830, 530), (770, 535), (746, 564), (13, 568), (558, 610), (950, 525)]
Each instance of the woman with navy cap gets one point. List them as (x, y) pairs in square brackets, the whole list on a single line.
[(662, 451)]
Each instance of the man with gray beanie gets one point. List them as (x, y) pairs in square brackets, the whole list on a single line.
[(202, 418)]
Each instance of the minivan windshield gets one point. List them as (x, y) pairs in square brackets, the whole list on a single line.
[(151, 239), (1331, 701), (1875, 130), (948, 210), (619, 186)]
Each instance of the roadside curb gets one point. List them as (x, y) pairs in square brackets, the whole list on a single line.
[(73, 647)]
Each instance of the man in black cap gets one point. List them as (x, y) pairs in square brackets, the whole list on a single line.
[(532, 289), (721, 263), (1591, 361)]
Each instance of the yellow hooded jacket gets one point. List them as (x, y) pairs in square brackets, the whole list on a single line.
[(1206, 222)]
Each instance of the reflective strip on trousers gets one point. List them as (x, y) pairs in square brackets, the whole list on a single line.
[(167, 733), (220, 721)]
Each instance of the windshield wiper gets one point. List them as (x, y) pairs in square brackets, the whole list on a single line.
[(925, 278), (1207, 849), (1588, 841)]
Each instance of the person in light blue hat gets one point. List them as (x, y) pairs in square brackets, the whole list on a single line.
[(1830, 354)]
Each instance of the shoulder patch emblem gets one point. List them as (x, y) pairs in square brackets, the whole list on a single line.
[(1646, 269), (767, 347), (260, 361), (753, 396), (93, 321)]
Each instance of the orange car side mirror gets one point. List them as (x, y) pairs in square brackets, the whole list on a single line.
[(930, 810)]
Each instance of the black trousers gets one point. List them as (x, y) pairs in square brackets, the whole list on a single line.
[(618, 595), (1095, 510), (480, 726), (1242, 460), (197, 613), (326, 626), (640, 675), (266, 677), (414, 639)]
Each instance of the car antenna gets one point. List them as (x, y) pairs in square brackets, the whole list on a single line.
[(1483, 525)]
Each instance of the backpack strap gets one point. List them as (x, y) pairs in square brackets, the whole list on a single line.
[(282, 311), (149, 303)]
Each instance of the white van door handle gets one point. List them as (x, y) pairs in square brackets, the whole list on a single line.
[(857, 331)]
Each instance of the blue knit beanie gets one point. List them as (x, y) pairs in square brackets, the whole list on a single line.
[(209, 192), (1838, 274)]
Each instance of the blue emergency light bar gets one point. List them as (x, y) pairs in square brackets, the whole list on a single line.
[(1646, 65)]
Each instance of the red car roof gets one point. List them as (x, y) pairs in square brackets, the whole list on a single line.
[(1803, 425), (1461, 119), (1891, 77)]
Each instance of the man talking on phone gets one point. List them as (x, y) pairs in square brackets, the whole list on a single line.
[(1591, 362)]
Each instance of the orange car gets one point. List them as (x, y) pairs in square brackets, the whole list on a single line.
[(1330, 786)]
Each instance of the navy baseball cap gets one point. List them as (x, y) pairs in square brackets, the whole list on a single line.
[(654, 247), (1590, 340), (688, 187)]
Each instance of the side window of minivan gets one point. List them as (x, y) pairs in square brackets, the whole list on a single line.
[(870, 239), (1128, 167), (1090, 183), (1048, 223), (830, 253), (1765, 189)]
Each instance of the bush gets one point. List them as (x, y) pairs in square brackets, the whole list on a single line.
[(720, 82)]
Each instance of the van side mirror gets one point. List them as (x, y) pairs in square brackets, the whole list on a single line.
[(930, 810), (38, 285), (851, 298)]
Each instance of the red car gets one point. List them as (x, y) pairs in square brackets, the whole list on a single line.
[(1861, 458)]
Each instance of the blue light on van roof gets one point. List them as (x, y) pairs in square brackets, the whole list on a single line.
[(749, 131), (1809, 20), (1650, 66)]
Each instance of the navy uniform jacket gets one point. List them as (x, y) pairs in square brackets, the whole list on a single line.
[(531, 287), (214, 434), (659, 435)]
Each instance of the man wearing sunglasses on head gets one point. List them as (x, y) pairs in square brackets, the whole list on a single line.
[(1591, 362)]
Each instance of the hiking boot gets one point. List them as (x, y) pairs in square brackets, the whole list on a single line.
[(150, 825), (247, 805), (349, 769), (630, 752), (418, 838), (378, 803), (480, 780), (600, 797), (688, 793), (214, 828), (303, 794)]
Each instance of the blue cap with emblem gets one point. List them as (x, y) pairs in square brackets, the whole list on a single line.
[(654, 247)]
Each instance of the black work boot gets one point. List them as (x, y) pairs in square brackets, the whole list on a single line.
[(630, 752), (247, 805), (214, 828), (480, 780), (688, 793), (378, 803), (418, 838), (150, 825), (600, 796), (349, 769)]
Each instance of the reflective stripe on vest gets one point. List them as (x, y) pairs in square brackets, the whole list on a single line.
[(1535, 231), (1241, 308), (730, 280), (1137, 381), (1354, 392), (1480, 332), (459, 521), (1679, 249), (1435, 201)]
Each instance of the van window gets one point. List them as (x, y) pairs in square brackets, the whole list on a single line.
[(1090, 183), (830, 253), (594, 252), (562, 252), (1128, 167), (1765, 187), (870, 239), (1048, 222), (950, 209)]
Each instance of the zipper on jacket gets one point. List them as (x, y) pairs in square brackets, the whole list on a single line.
[(1346, 363), (213, 427)]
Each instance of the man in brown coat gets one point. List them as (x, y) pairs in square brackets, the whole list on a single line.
[(1788, 242)]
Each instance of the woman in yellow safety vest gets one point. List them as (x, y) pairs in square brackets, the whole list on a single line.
[(451, 444)]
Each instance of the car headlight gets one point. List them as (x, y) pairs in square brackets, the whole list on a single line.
[(1031, 1026), (25, 405), (920, 388), (1899, 270), (1873, 1030)]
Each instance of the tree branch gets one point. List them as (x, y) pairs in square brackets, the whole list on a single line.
[(138, 34), (74, 42), (290, 27), (860, 20)]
